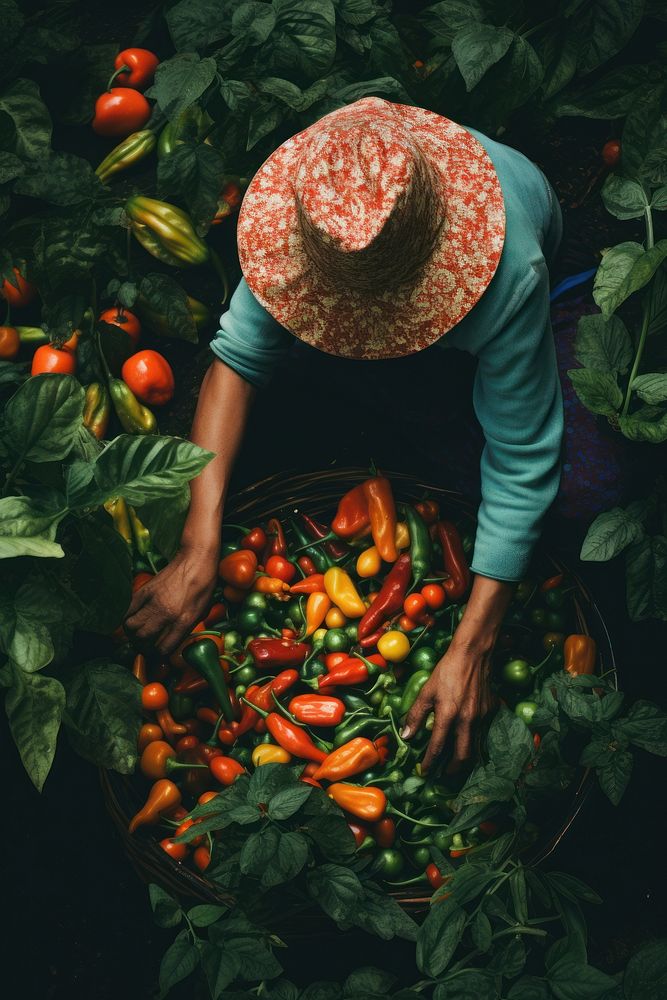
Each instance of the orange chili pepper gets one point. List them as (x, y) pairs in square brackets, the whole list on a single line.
[(169, 726), (163, 796), (269, 585), (364, 802), (148, 733), (317, 607), (382, 513), (358, 755), (310, 585), (139, 669), (579, 652)]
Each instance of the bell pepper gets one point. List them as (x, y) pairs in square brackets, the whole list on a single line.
[(225, 769), (254, 539), (352, 758), (132, 150), (366, 803), (390, 599), (354, 670), (421, 550), (352, 517), (310, 585), (278, 652), (343, 593), (134, 418), (580, 652), (162, 798), (203, 656), (97, 409), (382, 514), (317, 710), (317, 607), (117, 507), (269, 753), (158, 760), (454, 560), (165, 231), (239, 568)]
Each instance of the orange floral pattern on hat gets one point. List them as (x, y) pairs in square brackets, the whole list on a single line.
[(347, 171)]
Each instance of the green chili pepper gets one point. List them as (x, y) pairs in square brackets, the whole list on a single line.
[(203, 656), (133, 416), (412, 689), (181, 706), (355, 727), (165, 231), (421, 551), (136, 147), (320, 559)]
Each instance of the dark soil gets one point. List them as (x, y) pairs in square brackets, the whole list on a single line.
[(77, 921)]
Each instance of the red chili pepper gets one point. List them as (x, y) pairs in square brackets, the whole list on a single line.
[(318, 531), (225, 769), (281, 568), (370, 641), (359, 832), (262, 697), (316, 710), (552, 582), (292, 738), (352, 516), (435, 877), (169, 726), (278, 652), (306, 564), (238, 568), (352, 671), (310, 781), (217, 614), (384, 832), (390, 599), (191, 682), (428, 510), (357, 755), (255, 539), (313, 584), (205, 753), (135, 68), (277, 544), (454, 560)]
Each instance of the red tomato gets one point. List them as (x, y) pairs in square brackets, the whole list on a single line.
[(21, 295), (281, 568), (10, 343), (139, 580), (434, 595), (611, 152), (124, 319), (154, 697), (178, 852), (50, 359), (415, 606), (120, 111), (150, 377)]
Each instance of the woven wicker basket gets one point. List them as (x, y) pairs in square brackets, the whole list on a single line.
[(318, 493)]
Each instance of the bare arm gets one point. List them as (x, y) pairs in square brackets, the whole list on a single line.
[(458, 690), (164, 609)]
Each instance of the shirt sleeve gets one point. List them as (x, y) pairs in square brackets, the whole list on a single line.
[(517, 399), (250, 340)]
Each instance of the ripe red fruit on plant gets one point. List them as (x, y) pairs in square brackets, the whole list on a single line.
[(123, 318), (120, 112), (10, 343), (150, 377), (139, 66), (611, 152), (50, 359), (20, 296)]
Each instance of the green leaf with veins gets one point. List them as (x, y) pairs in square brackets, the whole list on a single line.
[(603, 344), (22, 102), (103, 715), (29, 529), (609, 534), (598, 391), (34, 706), (180, 81), (476, 47), (42, 418), (145, 468)]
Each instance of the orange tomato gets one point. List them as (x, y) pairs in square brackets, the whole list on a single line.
[(415, 606), (20, 296), (434, 595), (124, 319), (154, 697), (150, 377), (51, 359), (10, 343)]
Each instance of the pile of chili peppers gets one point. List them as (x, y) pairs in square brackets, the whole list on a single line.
[(317, 644)]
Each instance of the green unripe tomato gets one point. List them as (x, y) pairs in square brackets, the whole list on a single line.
[(442, 840), (246, 675), (424, 658), (256, 601), (554, 599), (538, 617), (351, 631), (517, 673), (295, 612), (555, 622), (233, 641), (421, 856), (526, 710), (250, 619), (390, 863), (337, 641)]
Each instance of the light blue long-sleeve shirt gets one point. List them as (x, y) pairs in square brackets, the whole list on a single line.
[(516, 392)]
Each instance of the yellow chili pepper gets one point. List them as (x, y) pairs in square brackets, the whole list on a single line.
[(335, 618), (402, 536), (394, 646), (317, 606), (269, 753), (369, 563), (121, 517), (343, 593), (319, 635)]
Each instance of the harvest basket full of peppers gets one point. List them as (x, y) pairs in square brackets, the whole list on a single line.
[(337, 597)]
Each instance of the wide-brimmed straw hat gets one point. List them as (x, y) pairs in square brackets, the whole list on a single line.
[(374, 231)]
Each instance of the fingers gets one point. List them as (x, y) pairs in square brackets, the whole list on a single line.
[(464, 744), (441, 727), (172, 636), (139, 598), (417, 713)]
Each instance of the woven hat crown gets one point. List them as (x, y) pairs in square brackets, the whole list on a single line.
[(370, 206)]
